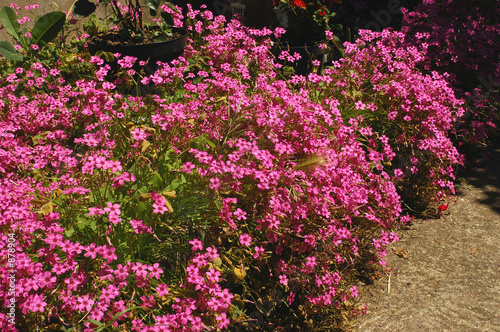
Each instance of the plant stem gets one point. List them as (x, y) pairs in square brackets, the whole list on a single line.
[(118, 13)]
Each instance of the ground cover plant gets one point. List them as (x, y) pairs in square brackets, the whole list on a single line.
[(232, 197)]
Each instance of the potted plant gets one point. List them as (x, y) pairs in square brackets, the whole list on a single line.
[(131, 35), (306, 22)]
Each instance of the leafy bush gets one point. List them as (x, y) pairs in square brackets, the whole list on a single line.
[(378, 82)]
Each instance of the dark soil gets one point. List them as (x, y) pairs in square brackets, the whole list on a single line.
[(445, 272), (117, 37)]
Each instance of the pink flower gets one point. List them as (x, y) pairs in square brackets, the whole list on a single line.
[(96, 60), (84, 303), (213, 275), (188, 167), (37, 303), (212, 253), (223, 320), (197, 244), (329, 34), (258, 251), (162, 290), (108, 253), (156, 271), (240, 214), (215, 184), (245, 239), (159, 205), (139, 134), (147, 302), (354, 291), (113, 208), (127, 61), (283, 280), (140, 269), (139, 227), (46, 280), (95, 211), (110, 292)]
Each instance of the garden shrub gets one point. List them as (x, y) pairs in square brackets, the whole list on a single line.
[(229, 198), (378, 80), (462, 39)]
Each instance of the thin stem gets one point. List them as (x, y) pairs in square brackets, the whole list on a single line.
[(118, 13)]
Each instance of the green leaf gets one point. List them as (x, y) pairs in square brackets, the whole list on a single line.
[(153, 6), (9, 20), (140, 208), (83, 8), (174, 184), (47, 27), (82, 222), (9, 52), (69, 232), (143, 190), (167, 18), (156, 181)]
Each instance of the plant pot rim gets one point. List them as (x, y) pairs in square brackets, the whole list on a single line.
[(182, 31)]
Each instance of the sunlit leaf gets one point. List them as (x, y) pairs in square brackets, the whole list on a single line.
[(9, 52), (9, 20), (47, 208), (169, 207), (239, 274), (47, 27), (38, 201), (170, 193)]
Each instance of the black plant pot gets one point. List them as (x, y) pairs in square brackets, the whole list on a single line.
[(164, 51)]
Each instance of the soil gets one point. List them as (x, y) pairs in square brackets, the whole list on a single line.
[(445, 272), (116, 38)]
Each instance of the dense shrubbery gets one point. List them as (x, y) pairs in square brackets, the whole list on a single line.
[(229, 198), (463, 39), (378, 80)]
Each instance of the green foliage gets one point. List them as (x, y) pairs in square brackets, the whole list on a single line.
[(46, 28), (9, 20), (133, 27), (9, 51)]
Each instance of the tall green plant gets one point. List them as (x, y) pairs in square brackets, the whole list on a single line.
[(46, 28)]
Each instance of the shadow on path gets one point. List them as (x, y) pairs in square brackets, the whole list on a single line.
[(486, 176)]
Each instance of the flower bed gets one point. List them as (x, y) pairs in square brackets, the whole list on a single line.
[(229, 198)]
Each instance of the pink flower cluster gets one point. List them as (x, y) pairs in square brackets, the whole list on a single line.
[(462, 38), (378, 84)]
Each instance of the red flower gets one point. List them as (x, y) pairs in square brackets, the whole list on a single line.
[(299, 3), (443, 207)]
